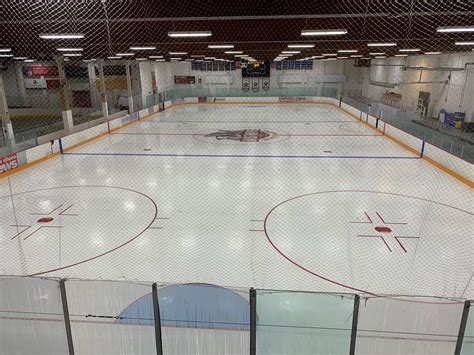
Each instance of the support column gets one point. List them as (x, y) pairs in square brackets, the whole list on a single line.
[(129, 87), (156, 316), (21, 84), (7, 128), (103, 92), (67, 322), (64, 96), (253, 321)]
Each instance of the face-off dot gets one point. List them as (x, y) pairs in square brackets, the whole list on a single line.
[(383, 229), (45, 220)]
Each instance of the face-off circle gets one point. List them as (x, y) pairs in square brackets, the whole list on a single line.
[(57, 228), (376, 242)]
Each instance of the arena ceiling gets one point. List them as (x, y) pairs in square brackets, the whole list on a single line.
[(261, 29)]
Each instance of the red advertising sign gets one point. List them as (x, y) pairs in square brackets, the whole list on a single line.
[(184, 79), (8, 163), (42, 70)]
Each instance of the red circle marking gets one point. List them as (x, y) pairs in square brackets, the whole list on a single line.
[(45, 220), (322, 277), (383, 229), (155, 213)]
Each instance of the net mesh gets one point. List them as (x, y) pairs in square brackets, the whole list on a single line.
[(280, 159)]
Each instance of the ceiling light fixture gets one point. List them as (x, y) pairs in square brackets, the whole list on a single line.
[(6, 55), (382, 44), (20, 58), (381, 53), (330, 55), (433, 53), (347, 51), (233, 52), (29, 60), (464, 43), (69, 49), (217, 46), (190, 34), (454, 29), (323, 32), (290, 52), (61, 36), (301, 45), (410, 50), (150, 48), (155, 57), (72, 54), (178, 53), (5, 49), (124, 54), (114, 57)]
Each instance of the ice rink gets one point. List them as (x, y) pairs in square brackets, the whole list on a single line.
[(301, 197)]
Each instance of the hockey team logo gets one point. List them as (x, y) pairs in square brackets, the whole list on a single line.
[(245, 135)]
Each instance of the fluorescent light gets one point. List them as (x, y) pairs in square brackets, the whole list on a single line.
[(155, 57), (330, 55), (452, 29), (5, 49), (209, 58), (190, 34), (151, 48), (401, 55), (317, 57), (114, 57), (20, 58), (301, 45), (382, 44), (198, 56), (356, 56), (464, 43), (72, 54), (178, 53), (347, 51), (433, 53), (233, 52), (323, 32), (124, 54), (216, 46), (381, 53), (62, 36), (290, 52), (176, 58), (241, 55), (29, 60), (381, 57), (6, 55), (410, 50), (342, 57), (69, 49), (141, 59)]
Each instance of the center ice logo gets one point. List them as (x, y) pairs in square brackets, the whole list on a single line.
[(245, 135)]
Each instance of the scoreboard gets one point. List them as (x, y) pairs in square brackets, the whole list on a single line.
[(256, 69)]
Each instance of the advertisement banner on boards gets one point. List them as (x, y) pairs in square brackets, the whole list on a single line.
[(39, 83), (8, 163)]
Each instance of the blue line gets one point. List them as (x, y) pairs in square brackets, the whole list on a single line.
[(241, 156)]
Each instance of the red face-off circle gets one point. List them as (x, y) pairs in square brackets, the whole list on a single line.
[(45, 220), (383, 229)]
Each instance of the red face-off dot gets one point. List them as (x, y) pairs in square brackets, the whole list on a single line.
[(45, 220), (383, 229)]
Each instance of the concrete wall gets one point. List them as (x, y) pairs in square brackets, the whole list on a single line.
[(455, 96)]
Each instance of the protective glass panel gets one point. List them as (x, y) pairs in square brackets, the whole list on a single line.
[(303, 323), (416, 325), (204, 319), (32, 320), (107, 318), (468, 341)]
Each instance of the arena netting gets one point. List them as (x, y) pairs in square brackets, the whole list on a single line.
[(313, 146)]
